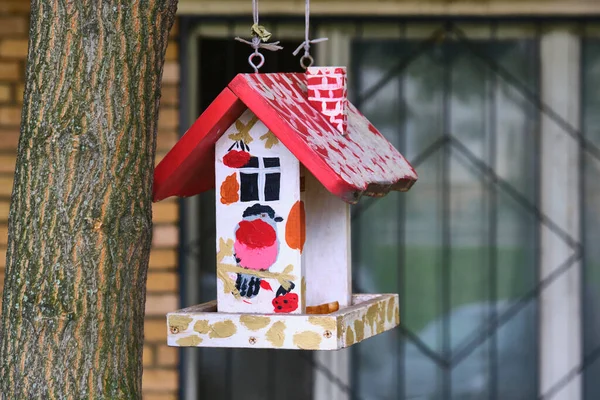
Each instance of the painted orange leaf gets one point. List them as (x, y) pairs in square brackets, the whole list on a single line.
[(230, 190), (295, 228)]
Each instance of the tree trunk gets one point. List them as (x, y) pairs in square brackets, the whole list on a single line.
[(80, 223)]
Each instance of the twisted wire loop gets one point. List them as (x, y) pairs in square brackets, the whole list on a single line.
[(260, 40), (306, 61)]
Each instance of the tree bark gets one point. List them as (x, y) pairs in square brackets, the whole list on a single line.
[(80, 223)]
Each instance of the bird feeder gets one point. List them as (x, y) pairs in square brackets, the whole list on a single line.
[(287, 155)]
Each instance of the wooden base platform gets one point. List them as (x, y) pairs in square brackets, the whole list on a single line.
[(203, 326)]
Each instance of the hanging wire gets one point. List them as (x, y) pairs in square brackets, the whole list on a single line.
[(260, 39), (306, 60)]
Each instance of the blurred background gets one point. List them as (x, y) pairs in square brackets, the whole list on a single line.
[(494, 251)]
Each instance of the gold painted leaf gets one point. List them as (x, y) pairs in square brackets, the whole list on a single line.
[(202, 326), (390, 309), (243, 131), (372, 315), (255, 322), (381, 318), (349, 337), (270, 140), (222, 329), (180, 322), (190, 341), (307, 340), (328, 323), (276, 334), (359, 327), (225, 248)]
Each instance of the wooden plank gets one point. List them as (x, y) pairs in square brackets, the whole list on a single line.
[(389, 8), (326, 254), (188, 168), (370, 315), (202, 326), (360, 162), (258, 185)]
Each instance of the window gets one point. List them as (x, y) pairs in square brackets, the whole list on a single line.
[(471, 247), (260, 179), (457, 249), (249, 187)]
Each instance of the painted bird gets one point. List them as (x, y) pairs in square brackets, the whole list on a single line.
[(256, 246)]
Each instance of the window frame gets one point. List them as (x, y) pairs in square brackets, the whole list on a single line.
[(560, 329), (262, 171)]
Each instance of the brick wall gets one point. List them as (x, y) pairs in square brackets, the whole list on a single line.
[(160, 362)]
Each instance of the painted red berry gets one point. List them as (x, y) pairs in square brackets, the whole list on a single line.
[(286, 303), (236, 158)]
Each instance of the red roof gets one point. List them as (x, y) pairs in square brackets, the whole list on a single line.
[(360, 162)]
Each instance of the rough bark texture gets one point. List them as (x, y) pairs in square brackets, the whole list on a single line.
[(80, 224)]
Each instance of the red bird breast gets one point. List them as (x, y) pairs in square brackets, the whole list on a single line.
[(256, 234)]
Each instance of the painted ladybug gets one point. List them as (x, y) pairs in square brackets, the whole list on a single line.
[(285, 303), (236, 158)]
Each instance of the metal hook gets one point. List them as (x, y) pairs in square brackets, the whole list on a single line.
[(260, 63), (303, 61)]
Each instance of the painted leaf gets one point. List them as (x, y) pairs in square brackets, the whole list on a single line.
[(243, 133), (230, 190), (266, 285), (295, 228), (270, 140), (288, 270)]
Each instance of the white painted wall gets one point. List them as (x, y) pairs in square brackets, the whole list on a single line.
[(228, 216), (326, 256)]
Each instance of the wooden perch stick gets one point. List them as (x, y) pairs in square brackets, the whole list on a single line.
[(228, 284), (284, 278)]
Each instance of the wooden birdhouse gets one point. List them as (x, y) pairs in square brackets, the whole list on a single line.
[(287, 155)]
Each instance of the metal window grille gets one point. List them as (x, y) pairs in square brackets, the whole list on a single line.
[(463, 250)]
